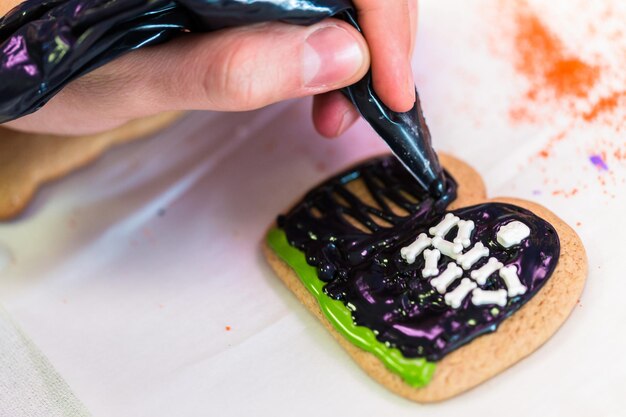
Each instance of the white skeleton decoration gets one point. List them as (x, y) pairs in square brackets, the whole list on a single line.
[(483, 297), (444, 226), (447, 277), (466, 227), (509, 235), (455, 297), (469, 258), (481, 274), (512, 234), (451, 250), (431, 257), (513, 285), (409, 253)]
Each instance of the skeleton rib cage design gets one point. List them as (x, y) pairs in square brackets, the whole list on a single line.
[(426, 280)]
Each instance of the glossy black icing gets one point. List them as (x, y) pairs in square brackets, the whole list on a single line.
[(366, 272)]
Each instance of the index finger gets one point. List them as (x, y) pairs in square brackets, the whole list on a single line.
[(387, 27)]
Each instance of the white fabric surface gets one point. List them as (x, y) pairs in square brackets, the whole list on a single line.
[(29, 386), (126, 273)]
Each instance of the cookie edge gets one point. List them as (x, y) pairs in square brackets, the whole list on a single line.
[(490, 354)]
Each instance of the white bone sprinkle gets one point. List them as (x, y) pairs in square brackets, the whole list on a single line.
[(512, 234), (483, 297), (451, 250), (481, 274), (465, 231), (447, 277), (431, 257), (455, 297), (469, 258), (411, 252), (513, 284), (444, 226)]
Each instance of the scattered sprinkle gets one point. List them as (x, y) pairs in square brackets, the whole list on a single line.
[(604, 105), (565, 193), (598, 162), (541, 57), (228, 328)]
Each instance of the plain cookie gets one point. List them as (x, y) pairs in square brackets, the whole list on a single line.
[(27, 160)]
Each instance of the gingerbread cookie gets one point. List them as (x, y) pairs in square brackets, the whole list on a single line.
[(430, 298), (27, 161)]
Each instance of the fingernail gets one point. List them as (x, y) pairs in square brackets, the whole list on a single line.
[(347, 119), (411, 91), (410, 83), (331, 55)]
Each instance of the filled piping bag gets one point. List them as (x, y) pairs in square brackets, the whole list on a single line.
[(45, 44)]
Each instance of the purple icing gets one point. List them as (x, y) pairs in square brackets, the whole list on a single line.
[(385, 293)]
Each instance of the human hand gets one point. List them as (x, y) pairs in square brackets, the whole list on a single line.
[(230, 70), (390, 28)]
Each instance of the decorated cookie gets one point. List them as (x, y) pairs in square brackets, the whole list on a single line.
[(429, 297), (28, 160)]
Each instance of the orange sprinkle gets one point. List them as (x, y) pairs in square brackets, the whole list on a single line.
[(565, 193), (604, 105), (228, 328), (519, 114), (541, 58)]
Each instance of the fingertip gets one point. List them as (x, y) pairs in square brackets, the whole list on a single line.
[(335, 55), (349, 118), (395, 85), (389, 30), (333, 114)]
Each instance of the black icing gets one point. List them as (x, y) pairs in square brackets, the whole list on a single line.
[(366, 272)]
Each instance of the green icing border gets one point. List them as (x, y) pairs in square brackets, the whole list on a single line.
[(416, 372)]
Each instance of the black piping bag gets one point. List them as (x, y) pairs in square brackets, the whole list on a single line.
[(406, 133), (45, 44)]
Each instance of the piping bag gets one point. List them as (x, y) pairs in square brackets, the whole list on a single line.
[(45, 44)]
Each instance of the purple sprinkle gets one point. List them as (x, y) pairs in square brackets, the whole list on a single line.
[(536, 192), (598, 162)]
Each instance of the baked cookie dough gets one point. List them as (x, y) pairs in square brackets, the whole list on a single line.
[(430, 298), (28, 161)]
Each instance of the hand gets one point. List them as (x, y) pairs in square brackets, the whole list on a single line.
[(242, 69), (390, 28)]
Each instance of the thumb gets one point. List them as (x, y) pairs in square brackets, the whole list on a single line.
[(250, 67)]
